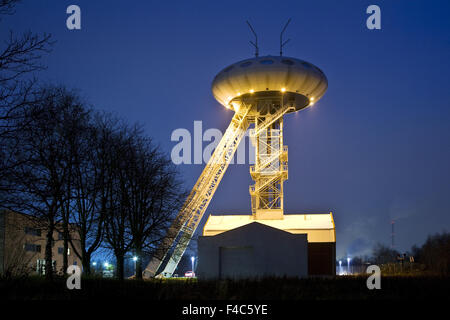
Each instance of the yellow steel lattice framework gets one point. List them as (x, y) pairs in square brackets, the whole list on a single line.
[(270, 169), (269, 172), (188, 219)]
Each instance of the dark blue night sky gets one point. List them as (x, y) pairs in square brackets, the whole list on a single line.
[(375, 148)]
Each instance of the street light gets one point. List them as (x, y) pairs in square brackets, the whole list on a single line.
[(348, 265), (193, 259), (135, 259), (106, 264)]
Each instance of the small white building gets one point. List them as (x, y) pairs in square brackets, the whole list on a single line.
[(239, 246)]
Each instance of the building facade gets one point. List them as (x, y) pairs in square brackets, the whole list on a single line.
[(252, 251), (317, 253), (22, 245)]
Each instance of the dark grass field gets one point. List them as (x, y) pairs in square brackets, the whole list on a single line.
[(339, 288)]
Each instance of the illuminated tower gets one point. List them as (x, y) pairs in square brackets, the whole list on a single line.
[(260, 91), (269, 87)]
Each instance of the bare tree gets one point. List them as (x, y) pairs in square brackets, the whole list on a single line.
[(91, 180), (75, 134), (145, 194), (16, 260), (383, 254), (39, 177), (435, 253), (117, 233), (153, 196), (7, 6), (19, 60)]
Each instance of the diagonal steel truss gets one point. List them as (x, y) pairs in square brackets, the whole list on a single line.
[(188, 219), (267, 194)]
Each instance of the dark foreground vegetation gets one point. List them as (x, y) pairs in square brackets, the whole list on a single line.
[(339, 288)]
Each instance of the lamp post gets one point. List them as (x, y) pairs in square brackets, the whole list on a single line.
[(193, 259), (105, 272), (135, 259), (348, 265)]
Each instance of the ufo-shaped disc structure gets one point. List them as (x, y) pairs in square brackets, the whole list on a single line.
[(269, 74)]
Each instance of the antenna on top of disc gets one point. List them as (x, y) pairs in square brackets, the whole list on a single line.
[(281, 37), (255, 44)]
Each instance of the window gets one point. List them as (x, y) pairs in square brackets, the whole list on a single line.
[(60, 236), (61, 250), (288, 62), (40, 266), (75, 262), (306, 65), (31, 247), (32, 231), (246, 64), (267, 61)]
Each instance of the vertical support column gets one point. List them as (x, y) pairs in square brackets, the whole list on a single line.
[(270, 169)]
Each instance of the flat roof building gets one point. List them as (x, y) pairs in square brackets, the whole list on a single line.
[(228, 242)]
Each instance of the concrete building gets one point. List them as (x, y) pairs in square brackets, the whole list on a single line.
[(252, 250), (240, 246), (22, 245)]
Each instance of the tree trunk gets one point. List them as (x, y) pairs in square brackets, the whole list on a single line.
[(139, 264), (48, 252), (120, 257), (66, 246), (86, 262)]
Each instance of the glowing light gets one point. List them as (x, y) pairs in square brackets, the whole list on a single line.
[(106, 264), (348, 265), (311, 99), (135, 258), (193, 259), (238, 93), (236, 106), (251, 90), (283, 89)]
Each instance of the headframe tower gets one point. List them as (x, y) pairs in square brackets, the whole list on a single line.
[(261, 91)]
